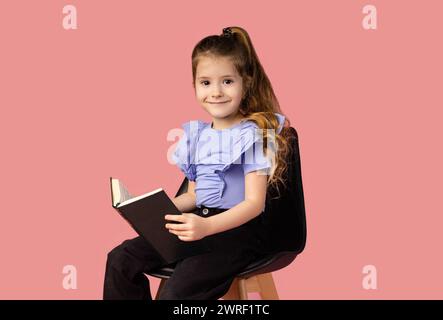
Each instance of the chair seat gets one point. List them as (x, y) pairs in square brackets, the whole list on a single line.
[(268, 263)]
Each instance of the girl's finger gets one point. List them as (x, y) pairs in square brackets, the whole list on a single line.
[(184, 238), (175, 217), (179, 233), (177, 226)]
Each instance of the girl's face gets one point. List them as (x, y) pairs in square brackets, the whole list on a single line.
[(218, 87)]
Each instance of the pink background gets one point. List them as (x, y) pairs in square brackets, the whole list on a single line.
[(78, 106)]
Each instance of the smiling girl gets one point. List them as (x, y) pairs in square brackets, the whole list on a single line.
[(226, 186)]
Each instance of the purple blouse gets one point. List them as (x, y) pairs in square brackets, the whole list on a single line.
[(218, 160)]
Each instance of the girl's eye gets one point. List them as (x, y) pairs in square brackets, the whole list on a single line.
[(204, 82)]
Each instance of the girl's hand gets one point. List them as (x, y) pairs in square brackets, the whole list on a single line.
[(191, 228)]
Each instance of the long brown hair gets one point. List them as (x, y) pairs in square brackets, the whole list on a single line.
[(259, 101)]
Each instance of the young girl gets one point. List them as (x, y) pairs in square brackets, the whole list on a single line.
[(226, 194)]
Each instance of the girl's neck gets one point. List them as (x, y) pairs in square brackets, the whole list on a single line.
[(220, 124)]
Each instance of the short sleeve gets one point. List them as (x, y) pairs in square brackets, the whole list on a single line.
[(183, 155), (254, 159)]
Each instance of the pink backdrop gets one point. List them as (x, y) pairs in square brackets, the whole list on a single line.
[(80, 105)]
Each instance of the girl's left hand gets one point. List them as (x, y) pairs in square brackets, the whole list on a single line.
[(191, 228)]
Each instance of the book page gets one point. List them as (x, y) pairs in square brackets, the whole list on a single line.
[(119, 192), (124, 193), (133, 199)]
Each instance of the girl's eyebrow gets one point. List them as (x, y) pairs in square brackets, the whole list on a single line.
[(228, 75)]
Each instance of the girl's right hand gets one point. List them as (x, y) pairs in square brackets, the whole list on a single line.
[(192, 226)]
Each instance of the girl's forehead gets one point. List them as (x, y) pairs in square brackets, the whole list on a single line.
[(208, 66)]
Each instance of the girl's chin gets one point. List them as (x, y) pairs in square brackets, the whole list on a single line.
[(218, 111), (220, 115)]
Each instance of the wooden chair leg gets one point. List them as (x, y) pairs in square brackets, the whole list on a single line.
[(233, 292), (237, 291), (242, 289), (162, 283), (267, 287)]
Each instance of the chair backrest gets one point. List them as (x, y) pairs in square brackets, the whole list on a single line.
[(284, 217), (183, 187)]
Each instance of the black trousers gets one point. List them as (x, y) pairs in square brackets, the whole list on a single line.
[(202, 277)]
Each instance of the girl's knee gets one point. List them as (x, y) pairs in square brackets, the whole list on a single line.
[(114, 258), (117, 255), (119, 251)]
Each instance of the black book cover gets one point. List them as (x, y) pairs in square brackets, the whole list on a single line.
[(147, 218)]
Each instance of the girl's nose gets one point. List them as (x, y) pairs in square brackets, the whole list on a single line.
[(216, 92), (216, 95)]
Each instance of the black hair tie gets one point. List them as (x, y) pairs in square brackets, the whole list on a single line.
[(227, 32)]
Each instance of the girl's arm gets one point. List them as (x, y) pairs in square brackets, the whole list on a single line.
[(251, 207), (186, 202), (194, 227)]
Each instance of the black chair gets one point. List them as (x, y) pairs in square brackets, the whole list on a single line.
[(285, 221)]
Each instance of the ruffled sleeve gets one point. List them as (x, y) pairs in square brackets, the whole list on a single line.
[(184, 154), (246, 143), (281, 121), (253, 158)]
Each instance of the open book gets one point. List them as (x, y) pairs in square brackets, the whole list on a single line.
[(146, 215), (121, 196)]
